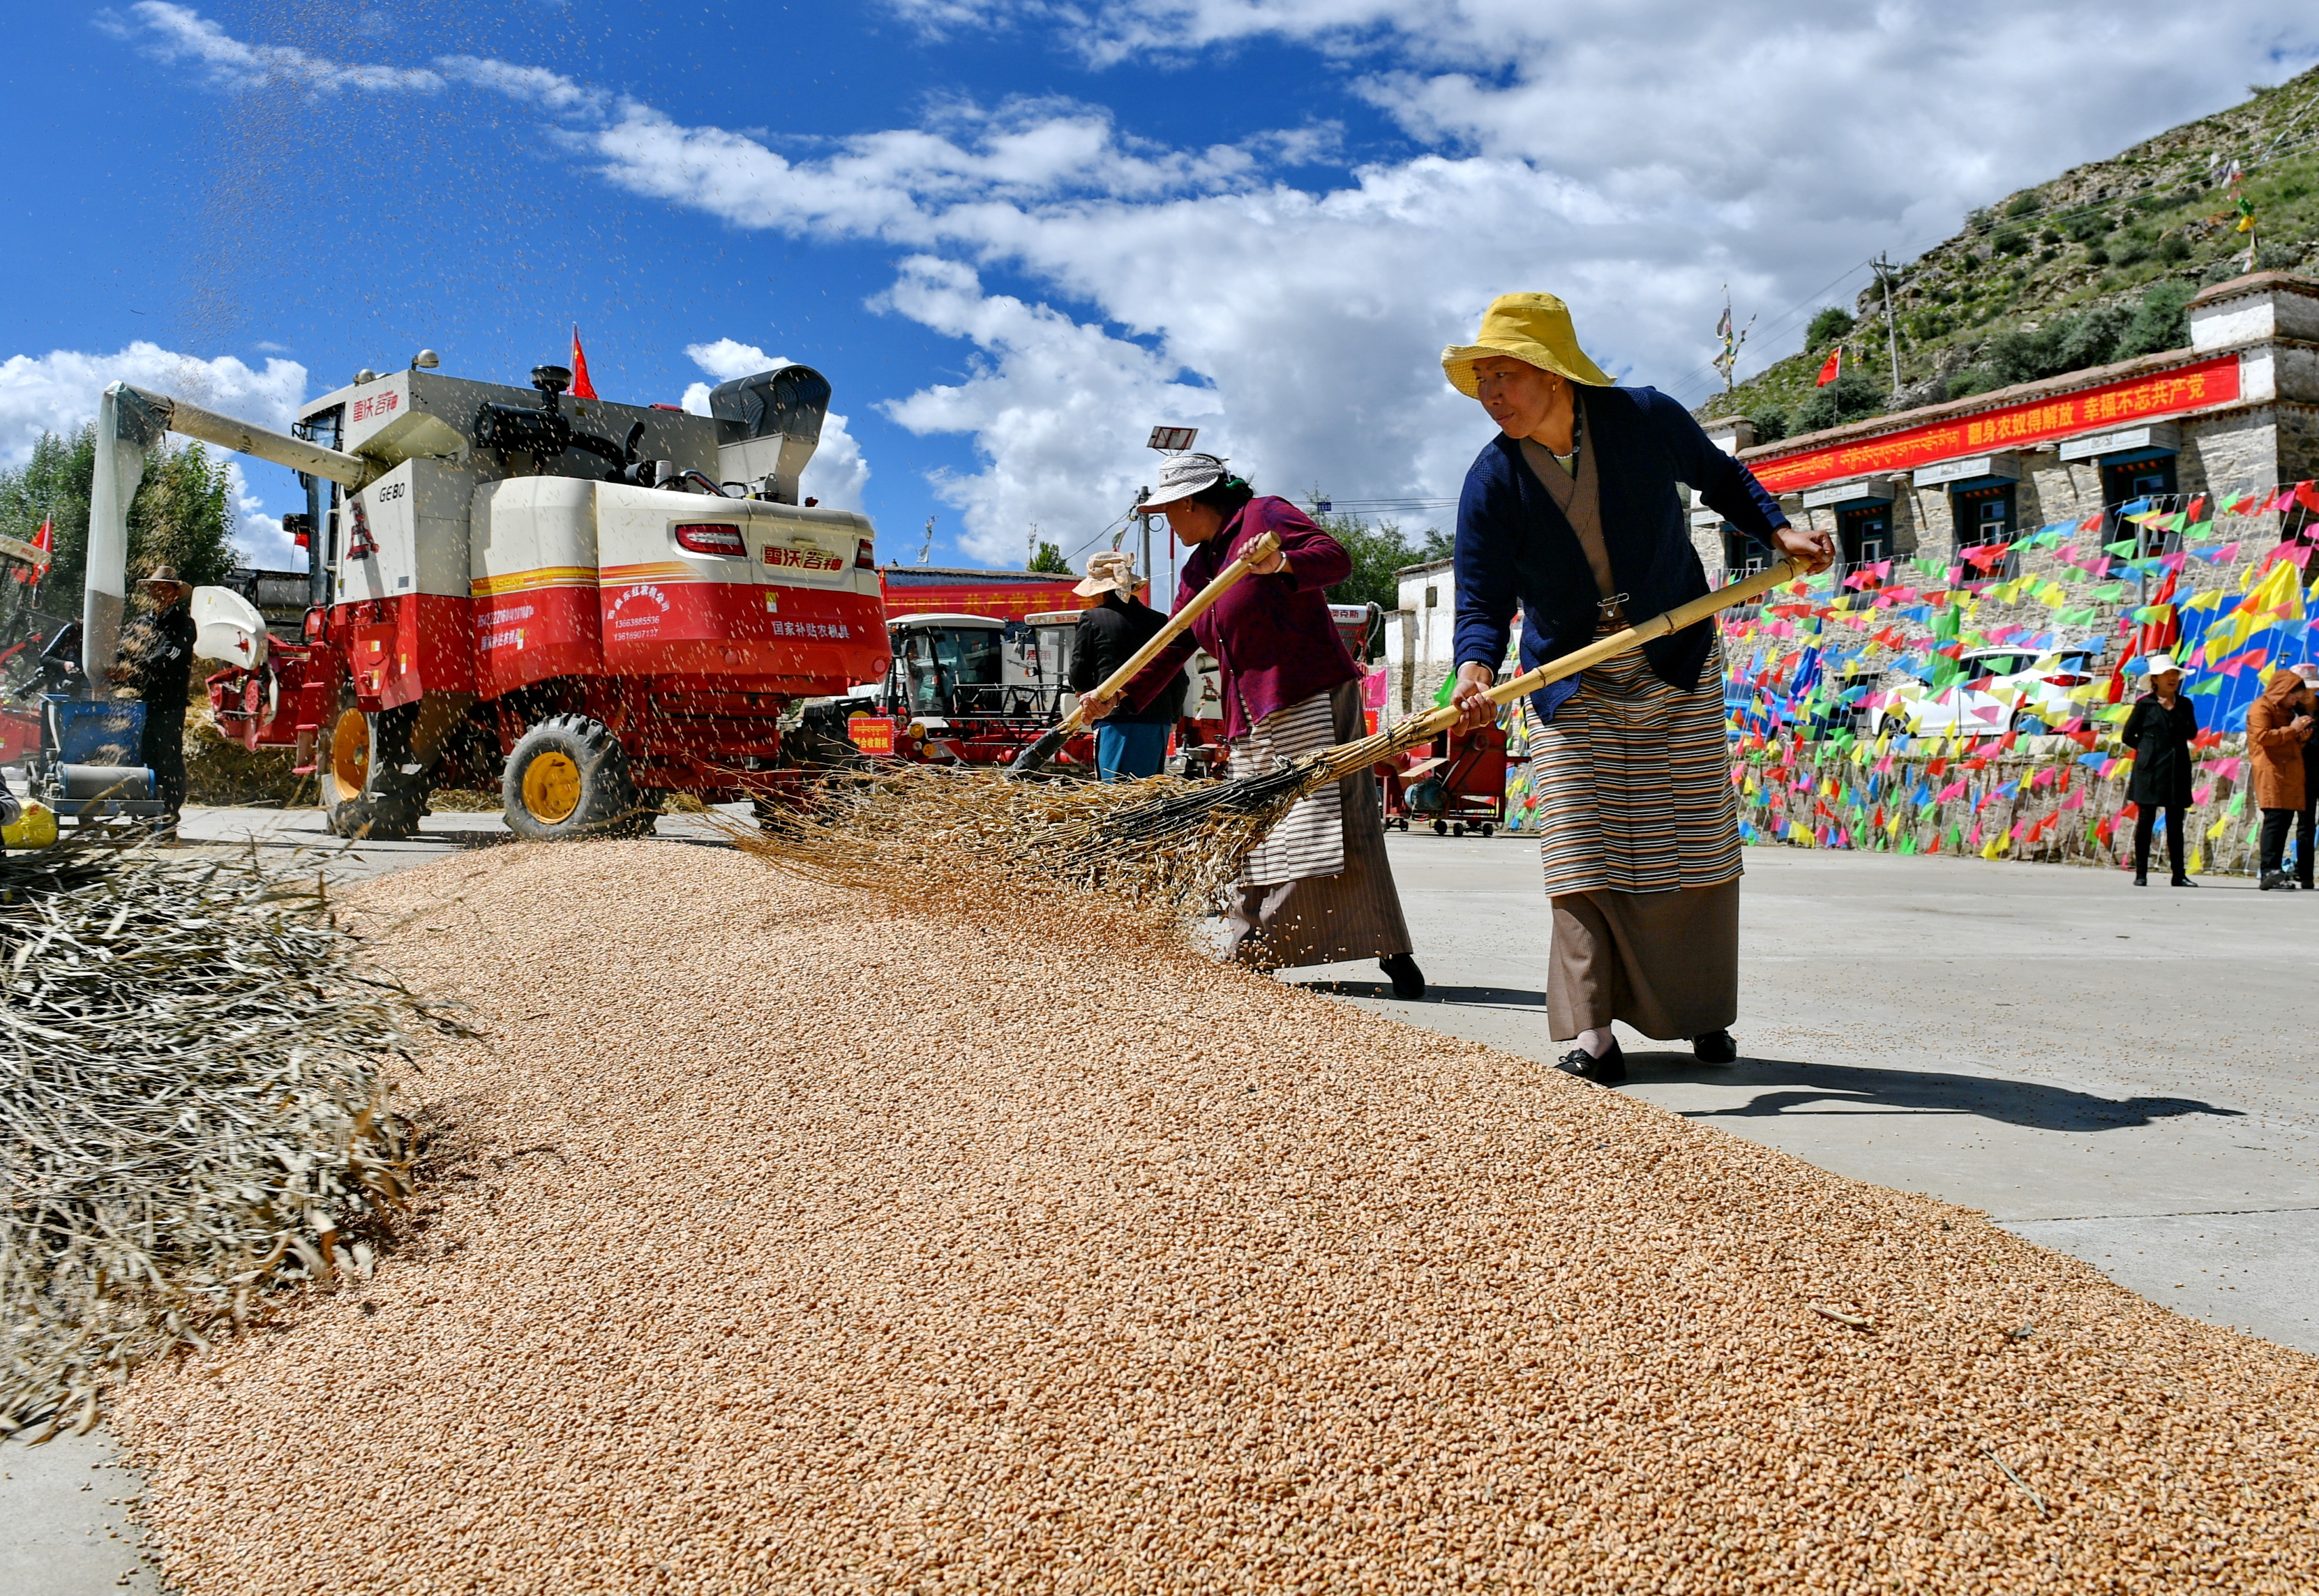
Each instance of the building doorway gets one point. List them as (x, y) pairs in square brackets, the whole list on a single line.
[(2129, 487), (1742, 556), (1983, 517), (1864, 536)]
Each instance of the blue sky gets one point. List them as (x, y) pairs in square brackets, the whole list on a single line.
[(1013, 233)]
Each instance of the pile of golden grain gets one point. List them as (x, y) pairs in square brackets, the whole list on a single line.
[(783, 1241)]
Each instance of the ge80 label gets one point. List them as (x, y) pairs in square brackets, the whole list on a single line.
[(802, 559)]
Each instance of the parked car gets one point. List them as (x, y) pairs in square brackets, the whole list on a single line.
[(2005, 689)]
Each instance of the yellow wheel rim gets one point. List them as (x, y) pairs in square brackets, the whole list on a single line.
[(350, 754), (551, 787)]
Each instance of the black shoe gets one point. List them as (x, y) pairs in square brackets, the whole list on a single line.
[(1408, 980), (1715, 1048), (2271, 882), (2182, 881), (2141, 878), (1608, 1070)]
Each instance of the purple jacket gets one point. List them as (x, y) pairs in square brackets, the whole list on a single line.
[(1271, 637)]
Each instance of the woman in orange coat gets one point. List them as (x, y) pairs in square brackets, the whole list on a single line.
[(2278, 728)]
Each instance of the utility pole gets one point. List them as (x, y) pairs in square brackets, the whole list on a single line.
[(1144, 521), (1891, 329)]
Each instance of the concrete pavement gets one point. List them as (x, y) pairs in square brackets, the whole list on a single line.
[(2124, 1074)]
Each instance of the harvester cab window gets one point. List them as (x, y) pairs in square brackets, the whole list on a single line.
[(942, 661)]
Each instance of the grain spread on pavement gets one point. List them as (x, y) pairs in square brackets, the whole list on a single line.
[(782, 1240)]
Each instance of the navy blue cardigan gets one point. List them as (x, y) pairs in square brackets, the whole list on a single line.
[(1516, 550)]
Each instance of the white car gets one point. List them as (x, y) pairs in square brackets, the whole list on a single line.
[(2002, 689)]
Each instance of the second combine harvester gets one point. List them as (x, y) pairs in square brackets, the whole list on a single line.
[(588, 605)]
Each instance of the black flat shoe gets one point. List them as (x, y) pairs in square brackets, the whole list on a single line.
[(2140, 879), (1715, 1048), (2182, 881), (2269, 882), (1408, 980), (1608, 1070)]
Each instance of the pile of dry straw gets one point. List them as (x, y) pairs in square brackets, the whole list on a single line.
[(190, 1111)]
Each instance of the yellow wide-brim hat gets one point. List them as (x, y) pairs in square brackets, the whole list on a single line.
[(1532, 328)]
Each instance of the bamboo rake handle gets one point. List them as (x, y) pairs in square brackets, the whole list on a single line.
[(1419, 728), (1177, 625)]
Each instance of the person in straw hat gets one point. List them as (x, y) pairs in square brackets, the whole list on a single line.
[(2278, 729), (1574, 516), (2158, 734), (1132, 743), (156, 659), (1318, 888)]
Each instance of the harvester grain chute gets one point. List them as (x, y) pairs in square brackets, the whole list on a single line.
[(586, 605)]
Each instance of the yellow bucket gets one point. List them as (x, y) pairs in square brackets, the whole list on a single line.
[(35, 828)]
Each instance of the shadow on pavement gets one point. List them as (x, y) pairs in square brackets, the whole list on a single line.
[(1847, 1088), (1469, 997)]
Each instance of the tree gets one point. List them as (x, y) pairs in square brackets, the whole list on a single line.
[(180, 516), (1050, 559), (1853, 396), (1379, 550), (1828, 326)]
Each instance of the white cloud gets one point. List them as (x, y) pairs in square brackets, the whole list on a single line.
[(1632, 155), (258, 537), (177, 33), (1058, 410), (837, 475), (57, 391)]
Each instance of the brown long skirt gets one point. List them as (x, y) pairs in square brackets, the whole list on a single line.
[(1667, 963), (1355, 914)]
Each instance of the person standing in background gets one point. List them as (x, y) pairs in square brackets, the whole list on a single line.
[(2158, 734), (2279, 728), (156, 659), (2304, 825), (1130, 743)]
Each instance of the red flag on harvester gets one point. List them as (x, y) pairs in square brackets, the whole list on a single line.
[(1834, 364), (44, 540), (581, 388)]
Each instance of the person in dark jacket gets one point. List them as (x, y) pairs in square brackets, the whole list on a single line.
[(1318, 888), (1574, 514), (1130, 743), (156, 659), (2158, 733)]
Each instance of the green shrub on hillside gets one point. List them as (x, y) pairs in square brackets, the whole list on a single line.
[(1828, 326)]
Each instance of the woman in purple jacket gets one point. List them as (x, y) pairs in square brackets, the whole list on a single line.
[(1318, 889)]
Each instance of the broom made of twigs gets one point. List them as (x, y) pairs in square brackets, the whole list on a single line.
[(1255, 802), (1053, 740)]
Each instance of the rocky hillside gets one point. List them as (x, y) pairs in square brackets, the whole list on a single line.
[(2091, 266)]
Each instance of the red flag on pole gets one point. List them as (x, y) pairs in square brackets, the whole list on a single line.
[(581, 388), (44, 540), (1829, 370)]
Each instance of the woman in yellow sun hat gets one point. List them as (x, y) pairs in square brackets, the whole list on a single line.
[(1574, 517)]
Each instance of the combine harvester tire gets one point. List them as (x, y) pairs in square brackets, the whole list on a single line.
[(365, 796), (569, 778)]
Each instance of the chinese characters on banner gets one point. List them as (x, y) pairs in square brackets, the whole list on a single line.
[(2113, 404)]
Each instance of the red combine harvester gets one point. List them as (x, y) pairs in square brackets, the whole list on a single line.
[(587, 605), (969, 689)]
